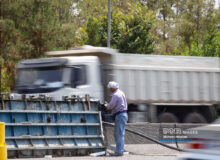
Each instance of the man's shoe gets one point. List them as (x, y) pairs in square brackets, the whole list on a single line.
[(116, 154)]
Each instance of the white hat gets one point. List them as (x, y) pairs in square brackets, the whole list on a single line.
[(113, 84)]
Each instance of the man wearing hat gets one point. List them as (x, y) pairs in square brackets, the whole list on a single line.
[(118, 105)]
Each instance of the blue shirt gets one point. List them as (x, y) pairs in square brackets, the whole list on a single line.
[(118, 102)]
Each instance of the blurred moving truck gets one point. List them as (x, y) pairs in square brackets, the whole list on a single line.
[(158, 88)]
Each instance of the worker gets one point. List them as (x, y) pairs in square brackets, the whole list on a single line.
[(118, 105)]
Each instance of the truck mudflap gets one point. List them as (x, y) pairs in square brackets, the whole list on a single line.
[(36, 128)]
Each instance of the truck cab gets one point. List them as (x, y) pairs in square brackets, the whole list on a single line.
[(60, 77)]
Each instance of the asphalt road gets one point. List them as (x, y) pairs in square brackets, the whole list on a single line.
[(136, 152), (125, 157)]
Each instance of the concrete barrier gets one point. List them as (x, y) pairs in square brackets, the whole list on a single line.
[(3, 147), (36, 128)]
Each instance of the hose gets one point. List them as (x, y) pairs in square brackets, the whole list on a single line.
[(144, 136)]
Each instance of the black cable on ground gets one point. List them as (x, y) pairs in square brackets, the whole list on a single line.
[(144, 136)]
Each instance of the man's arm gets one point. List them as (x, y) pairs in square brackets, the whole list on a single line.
[(112, 103)]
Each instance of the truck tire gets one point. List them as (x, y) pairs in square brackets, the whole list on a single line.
[(167, 117), (195, 118)]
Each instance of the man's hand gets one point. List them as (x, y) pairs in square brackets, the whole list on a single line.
[(106, 105)]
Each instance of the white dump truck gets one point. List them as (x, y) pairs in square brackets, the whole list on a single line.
[(158, 88)]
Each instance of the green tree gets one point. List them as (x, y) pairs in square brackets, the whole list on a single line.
[(29, 28), (8, 53), (184, 26), (164, 26), (83, 9), (130, 30), (92, 31), (198, 28)]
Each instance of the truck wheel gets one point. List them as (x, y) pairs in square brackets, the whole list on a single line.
[(167, 117), (195, 118)]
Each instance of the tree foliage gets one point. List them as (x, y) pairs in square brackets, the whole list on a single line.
[(130, 30), (28, 28), (186, 27)]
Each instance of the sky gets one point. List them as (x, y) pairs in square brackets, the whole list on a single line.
[(217, 3)]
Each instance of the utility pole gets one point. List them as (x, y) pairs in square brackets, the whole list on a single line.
[(218, 27), (1, 18), (109, 24)]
